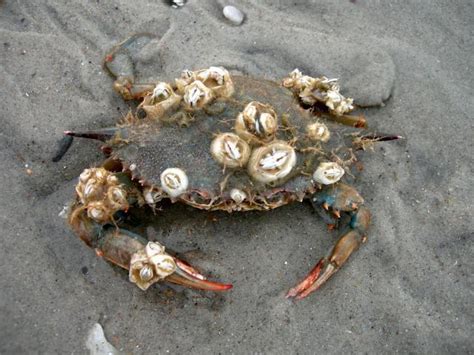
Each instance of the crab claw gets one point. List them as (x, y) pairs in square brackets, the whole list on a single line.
[(146, 261), (344, 198), (185, 275)]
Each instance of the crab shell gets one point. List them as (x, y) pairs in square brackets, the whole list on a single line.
[(148, 147)]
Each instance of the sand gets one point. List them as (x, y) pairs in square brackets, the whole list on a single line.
[(408, 290)]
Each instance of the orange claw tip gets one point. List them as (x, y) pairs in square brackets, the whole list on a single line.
[(186, 279)]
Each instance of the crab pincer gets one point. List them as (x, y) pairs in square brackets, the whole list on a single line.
[(101, 194), (344, 198)]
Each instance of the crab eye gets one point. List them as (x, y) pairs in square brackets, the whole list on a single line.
[(174, 181), (328, 173), (318, 132), (272, 162), (230, 150), (256, 123)]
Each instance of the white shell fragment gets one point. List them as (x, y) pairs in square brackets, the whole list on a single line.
[(318, 132), (328, 173), (97, 344), (272, 162), (233, 14), (230, 150), (150, 264), (174, 181), (238, 196)]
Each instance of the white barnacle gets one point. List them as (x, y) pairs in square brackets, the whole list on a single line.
[(150, 264), (218, 80), (174, 181), (197, 95), (117, 198), (257, 123), (318, 132), (238, 196), (186, 78), (97, 211), (328, 173), (297, 81), (146, 273), (230, 150), (272, 162), (161, 91), (85, 175)]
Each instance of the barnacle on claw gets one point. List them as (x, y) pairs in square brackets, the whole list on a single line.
[(261, 166), (149, 265)]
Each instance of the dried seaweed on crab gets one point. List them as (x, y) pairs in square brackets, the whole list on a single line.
[(220, 142)]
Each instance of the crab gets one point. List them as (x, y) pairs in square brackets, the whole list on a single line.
[(217, 141)]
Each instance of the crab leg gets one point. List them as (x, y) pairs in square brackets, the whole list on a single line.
[(340, 198), (119, 63), (146, 261)]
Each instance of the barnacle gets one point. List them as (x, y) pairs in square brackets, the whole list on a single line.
[(186, 78), (150, 264), (313, 90), (328, 173), (100, 192), (271, 162), (197, 95), (318, 132), (161, 102), (230, 150), (218, 80), (238, 196), (257, 123), (174, 181)]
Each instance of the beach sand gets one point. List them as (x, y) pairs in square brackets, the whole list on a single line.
[(408, 290)]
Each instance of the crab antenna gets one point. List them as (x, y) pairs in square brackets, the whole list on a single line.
[(100, 134)]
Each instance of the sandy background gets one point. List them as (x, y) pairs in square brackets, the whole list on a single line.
[(410, 289)]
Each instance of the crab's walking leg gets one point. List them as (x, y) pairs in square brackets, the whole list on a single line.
[(339, 198), (119, 63), (101, 195)]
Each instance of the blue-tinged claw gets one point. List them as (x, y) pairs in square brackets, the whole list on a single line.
[(340, 197)]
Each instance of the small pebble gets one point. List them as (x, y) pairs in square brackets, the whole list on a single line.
[(234, 15)]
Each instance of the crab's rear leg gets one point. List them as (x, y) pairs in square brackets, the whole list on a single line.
[(337, 198), (119, 62), (101, 195)]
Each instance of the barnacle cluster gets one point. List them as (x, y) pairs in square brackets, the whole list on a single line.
[(193, 90), (313, 90), (101, 194), (150, 264)]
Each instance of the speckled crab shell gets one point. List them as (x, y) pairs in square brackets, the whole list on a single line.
[(148, 148)]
